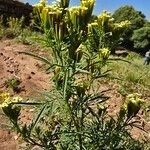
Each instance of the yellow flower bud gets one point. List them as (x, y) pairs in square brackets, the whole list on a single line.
[(80, 15), (101, 109), (43, 2), (104, 52), (57, 70), (44, 18), (132, 104), (103, 18), (91, 27)]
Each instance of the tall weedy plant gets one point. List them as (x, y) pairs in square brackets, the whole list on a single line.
[(72, 116)]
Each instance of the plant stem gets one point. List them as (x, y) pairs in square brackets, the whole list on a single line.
[(69, 108)]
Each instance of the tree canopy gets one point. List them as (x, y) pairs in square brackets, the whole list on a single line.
[(141, 39), (137, 19)]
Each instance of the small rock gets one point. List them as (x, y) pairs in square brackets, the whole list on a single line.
[(31, 110), (11, 71), (16, 137), (22, 58), (33, 73)]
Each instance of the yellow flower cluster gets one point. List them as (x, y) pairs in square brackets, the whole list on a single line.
[(80, 15), (106, 23), (104, 18), (59, 17), (89, 4), (132, 104), (43, 2), (6, 100), (39, 7), (77, 15), (122, 25), (51, 17)]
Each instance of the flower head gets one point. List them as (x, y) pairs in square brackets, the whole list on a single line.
[(6, 100), (132, 104), (104, 52)]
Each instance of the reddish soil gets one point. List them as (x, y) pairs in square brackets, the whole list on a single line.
[(28, 71), (22, 67), (33, 81), (7, 141)]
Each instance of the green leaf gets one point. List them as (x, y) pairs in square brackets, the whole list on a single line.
[(43, 59), (36, 120)]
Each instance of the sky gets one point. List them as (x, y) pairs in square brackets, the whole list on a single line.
[(112, 5)]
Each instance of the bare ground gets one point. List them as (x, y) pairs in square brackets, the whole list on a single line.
[(28, 71)]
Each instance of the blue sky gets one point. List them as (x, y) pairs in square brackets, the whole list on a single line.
[(112, 5)]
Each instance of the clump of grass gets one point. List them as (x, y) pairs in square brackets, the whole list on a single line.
[(132, 76), (15, 28)]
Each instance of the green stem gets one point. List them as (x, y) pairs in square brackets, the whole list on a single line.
[(66, 80), (65, 83)]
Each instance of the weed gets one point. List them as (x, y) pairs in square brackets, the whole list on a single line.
[(13, 84)]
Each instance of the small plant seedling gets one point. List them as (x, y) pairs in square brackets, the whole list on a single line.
[(13, 84)]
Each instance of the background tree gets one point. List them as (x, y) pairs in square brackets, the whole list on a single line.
[(147, 23), (137, 19), (141, 39)]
